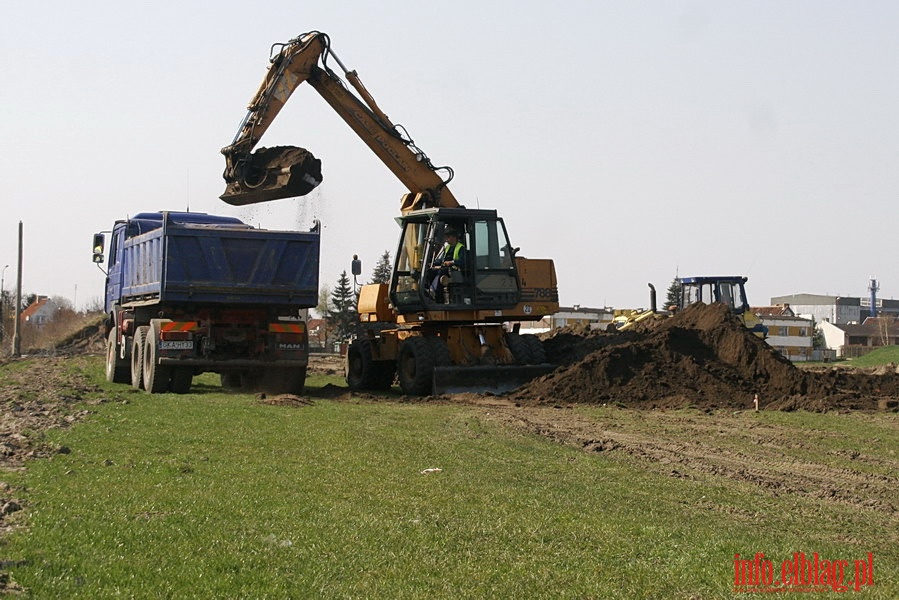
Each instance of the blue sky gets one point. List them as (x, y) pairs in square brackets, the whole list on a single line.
[(628, 141)]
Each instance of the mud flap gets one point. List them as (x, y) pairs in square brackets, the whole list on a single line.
[(497, 379), (273, 174)]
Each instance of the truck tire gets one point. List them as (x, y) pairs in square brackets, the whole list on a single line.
[(415, 366), (182, 378), (365, 373), (283, 380), (117, 369), (156, 376), (230, 380), (137, 357)]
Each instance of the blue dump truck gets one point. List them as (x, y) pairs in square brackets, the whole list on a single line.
[(188, 293)]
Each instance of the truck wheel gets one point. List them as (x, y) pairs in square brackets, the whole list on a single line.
[(117, 369), (283, 380), (415, 366), (182, 378), (156, 376), (230, 380), (364, 373), (137, 357)]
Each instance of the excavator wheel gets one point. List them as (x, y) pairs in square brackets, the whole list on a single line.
[(527, 349), (538, 352), (364, 373), (415, 366)]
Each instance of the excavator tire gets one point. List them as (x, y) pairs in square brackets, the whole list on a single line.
[(519, 348), (527, 348), (365, 373), (537, 351), (415, 366)]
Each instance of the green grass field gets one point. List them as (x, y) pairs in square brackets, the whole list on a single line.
[(880, 356), (216, 495)]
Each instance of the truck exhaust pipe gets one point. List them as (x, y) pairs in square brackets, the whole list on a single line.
[(652, 298), (270, 174)]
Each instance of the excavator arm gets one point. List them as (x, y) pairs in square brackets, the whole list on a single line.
[(287, 171)]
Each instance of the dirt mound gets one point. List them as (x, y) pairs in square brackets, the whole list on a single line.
[(701, 357), (284, 400)]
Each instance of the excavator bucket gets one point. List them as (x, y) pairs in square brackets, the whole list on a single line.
[(273, 174), (497, 379)]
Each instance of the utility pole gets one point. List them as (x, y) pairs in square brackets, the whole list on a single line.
[(3, 302), (16, 338)]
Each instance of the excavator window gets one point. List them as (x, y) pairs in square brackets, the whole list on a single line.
[(496, 282), (409, 261)]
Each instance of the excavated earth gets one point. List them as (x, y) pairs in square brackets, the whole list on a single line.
[(702, 357)]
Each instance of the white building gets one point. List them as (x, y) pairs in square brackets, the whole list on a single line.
[(790, 335), (838, 310), (582, 316)]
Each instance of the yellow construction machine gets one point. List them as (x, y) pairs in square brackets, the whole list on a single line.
[(436, 328), (729, 290)]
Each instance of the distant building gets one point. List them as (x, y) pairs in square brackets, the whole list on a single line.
[(856, 339), (790, 335), (581, 316), (316, 330), (838, 310), (41, 311), (535, 327)]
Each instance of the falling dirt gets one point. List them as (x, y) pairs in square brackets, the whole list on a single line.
[(284, 400)]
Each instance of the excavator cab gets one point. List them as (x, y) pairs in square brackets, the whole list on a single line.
[(486, 280)]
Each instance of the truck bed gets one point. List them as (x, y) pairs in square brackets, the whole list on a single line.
[(175, 260)]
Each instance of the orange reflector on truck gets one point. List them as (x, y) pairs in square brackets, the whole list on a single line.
[(287, 327), (178, 326)]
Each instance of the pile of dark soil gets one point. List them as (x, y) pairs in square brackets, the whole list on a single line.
[(701, 357)]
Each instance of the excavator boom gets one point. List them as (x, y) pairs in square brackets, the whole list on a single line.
[(288, 171), (434, 327)]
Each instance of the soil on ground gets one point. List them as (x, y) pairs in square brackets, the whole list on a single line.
[(702, 357)]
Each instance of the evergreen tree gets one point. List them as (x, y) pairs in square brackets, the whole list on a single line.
[(382, 271), (341, 314), (673, 297)]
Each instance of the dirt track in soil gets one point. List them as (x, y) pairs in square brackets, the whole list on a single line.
[(718, 445)]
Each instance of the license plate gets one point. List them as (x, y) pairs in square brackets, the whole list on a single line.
[(176, 345)]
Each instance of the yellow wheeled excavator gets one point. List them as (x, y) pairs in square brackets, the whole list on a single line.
[(438, 326)]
